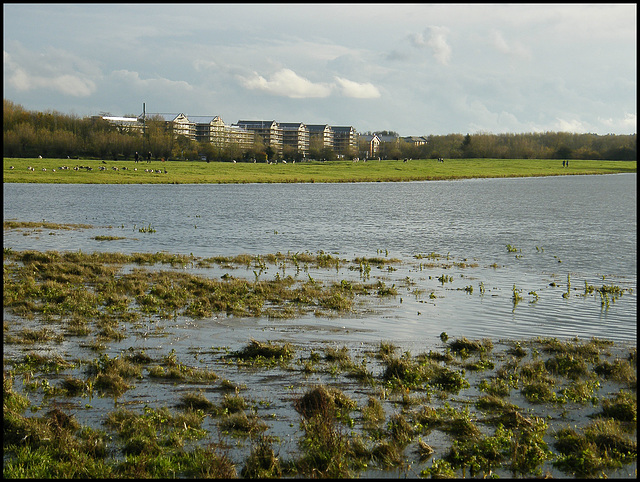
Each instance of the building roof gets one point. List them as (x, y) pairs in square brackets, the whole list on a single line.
[(204, 119), (257, 124), (343, 129), (121, 120), (318, 127), (166, 117)]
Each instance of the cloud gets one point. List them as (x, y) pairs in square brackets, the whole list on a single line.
[(515, 48), (630, 120), (439, 46), (53, 71), (437, 42), (572, 125), (134, 81), (286, 83), (626, 124), (357, 90)]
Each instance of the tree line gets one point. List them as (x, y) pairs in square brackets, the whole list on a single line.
[(56, 135)]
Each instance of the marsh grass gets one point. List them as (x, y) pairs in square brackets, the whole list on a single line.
[(257, 352), (486, 435), (327, 450), (600, 445), (263, 462), (551, 377), (623, 407)]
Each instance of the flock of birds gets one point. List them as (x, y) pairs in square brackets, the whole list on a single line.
[(100, 168)]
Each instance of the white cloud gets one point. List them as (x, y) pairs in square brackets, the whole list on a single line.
[(48, 73), (630, 120), (437, 42), (439, 46), (286, 83), (357, 90), (572, 125), (134, 81), (628, 123), (514, 48)]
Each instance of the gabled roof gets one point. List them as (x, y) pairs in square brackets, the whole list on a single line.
[(292, 125), (204, 119), (165, 117), (369, 137)]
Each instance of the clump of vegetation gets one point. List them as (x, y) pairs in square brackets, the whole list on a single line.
[(619, 370), (257, 351), (327, 450), (622, 407), (464, 346), (262, 462), (600, 445)]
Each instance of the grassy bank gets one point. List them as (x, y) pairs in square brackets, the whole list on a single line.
[(185, 172)]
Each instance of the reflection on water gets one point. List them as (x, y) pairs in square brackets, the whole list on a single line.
[(578, 226)]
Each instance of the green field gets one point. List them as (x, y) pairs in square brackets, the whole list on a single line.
[(198, 172)]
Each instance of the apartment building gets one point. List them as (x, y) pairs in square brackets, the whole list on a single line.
[(296, 135), (302, 137), (209, 129), (237, 135), (320, 135), (269, 131), (345, 140), (179, 123)]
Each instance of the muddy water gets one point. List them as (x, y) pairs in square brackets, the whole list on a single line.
[(577, 228)]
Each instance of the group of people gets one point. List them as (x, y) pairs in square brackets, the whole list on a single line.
[(148, 156), (565, 163)]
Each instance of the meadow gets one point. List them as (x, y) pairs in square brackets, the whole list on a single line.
[(198, 172)]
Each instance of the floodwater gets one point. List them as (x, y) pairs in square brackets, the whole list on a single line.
[(491, 236), (577, 227)]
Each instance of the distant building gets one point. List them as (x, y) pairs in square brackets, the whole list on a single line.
[(369, 144), (238, 135), (296, 135), (269, 131), (178, 123), (123, 123), (209, 129), (345, 141), (416, 140), (320, 135)]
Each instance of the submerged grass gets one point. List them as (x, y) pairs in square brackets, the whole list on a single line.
[(359, 411)]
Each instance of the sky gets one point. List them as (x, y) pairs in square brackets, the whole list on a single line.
[(416, 69)]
